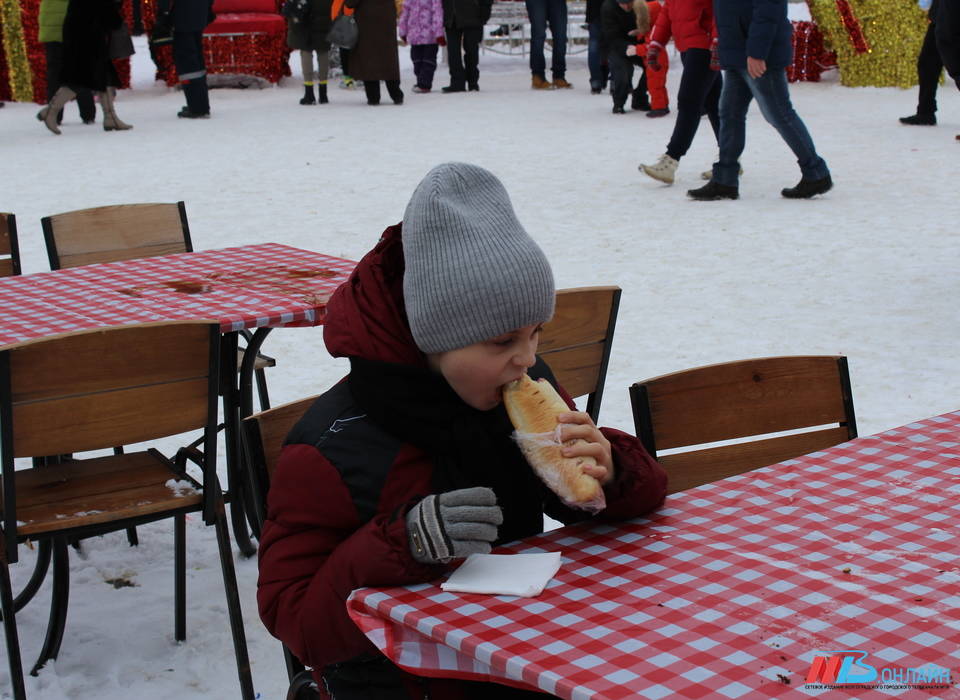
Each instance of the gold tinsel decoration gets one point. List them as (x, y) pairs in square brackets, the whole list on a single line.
[(15, 51), (877, 41)]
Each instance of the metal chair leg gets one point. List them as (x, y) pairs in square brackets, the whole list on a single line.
[(40, 568), (59, 600), (10, 628), (233, 603), (231, 418), (180, 577)]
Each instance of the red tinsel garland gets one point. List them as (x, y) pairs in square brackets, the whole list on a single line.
[(852, 25), (810, 58)]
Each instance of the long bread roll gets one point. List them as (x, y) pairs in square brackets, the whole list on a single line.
[(533, 407)]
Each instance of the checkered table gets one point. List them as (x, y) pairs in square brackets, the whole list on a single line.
[(731, 589), (253, 286)]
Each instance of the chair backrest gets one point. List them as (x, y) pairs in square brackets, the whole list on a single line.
[(264, 434), (117, 232), (733, 401), (9, 249), (115, 386), (576, 342)]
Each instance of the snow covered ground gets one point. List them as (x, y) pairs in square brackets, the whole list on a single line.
[(869, 271)]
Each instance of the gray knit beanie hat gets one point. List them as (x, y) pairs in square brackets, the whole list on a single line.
[(472, 271)]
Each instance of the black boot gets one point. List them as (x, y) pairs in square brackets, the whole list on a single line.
[(639, 101), (393, 89), (308, 98), (322, 93), (372, 89), (920, 119), (713, 191), (805, 189)]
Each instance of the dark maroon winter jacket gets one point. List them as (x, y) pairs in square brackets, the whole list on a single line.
[(336, 506)]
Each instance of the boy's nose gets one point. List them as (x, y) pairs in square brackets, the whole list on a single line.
[(527, 355)]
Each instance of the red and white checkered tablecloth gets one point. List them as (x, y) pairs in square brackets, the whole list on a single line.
[(731, 590), (251, 286)]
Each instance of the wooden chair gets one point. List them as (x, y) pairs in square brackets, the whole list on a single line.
[(124, 232), (264, 434), (746, 399), (9, 250), (576, 342), (121, 386)]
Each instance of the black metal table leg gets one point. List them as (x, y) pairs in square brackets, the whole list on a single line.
[(236, 482), (254, 501)]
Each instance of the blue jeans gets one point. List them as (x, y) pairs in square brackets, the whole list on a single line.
[(596, 61), (773, 98), (554, 13)]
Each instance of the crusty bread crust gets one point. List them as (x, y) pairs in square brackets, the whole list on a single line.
[(533, 407)]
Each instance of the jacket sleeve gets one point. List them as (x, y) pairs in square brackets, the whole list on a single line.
[(662, 30), (314, 552), (767, 17), (436, 19)]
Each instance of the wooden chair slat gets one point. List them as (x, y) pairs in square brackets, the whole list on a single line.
[(689, 469), (6, 267), (578, 368), (744, 398), (10, 262), (582, 316), (117, 232), (119, 417), (81, 363), (576, 342), (273, 426)]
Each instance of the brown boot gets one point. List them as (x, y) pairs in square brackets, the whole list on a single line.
[(111, 122), (59, 99), (538, 82)]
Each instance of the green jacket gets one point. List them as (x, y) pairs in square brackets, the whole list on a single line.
[(50, 20)]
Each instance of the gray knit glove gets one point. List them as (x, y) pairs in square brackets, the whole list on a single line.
[(453, 524)]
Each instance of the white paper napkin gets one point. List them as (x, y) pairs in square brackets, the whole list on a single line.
[(523, 575)]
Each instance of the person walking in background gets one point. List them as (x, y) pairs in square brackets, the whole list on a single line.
[(619, 28), (647, 12), (86, 61), (190, 18), (50, 21), (690, 23), (308, 35), (929, 68), (375, 56), (596, 56), (464, 21), (421, 26), (542, 13), (755, 48)]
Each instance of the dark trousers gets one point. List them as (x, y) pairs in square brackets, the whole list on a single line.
[(463, 53), (621, 80), (372, 88), (946, 20), (599, 67), (191, 70), (54, 53), (424, 57), (929, 68), (554, 14), (698, 94)]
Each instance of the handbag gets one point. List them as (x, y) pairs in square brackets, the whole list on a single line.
[(344, 32), (121, 45)]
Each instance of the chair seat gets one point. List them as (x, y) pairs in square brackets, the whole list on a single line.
[(246, 23), (262, 361), (102, 491)]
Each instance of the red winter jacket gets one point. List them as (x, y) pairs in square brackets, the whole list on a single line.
[(689, 22), (337, 501)]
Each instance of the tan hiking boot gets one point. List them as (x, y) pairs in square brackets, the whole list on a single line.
[(540, 83), (561, 84), (663, 170)]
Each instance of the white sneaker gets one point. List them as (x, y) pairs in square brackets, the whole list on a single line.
[(708, 174), (663, 170)]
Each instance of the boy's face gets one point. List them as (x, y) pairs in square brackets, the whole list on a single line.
[(478, 372)]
